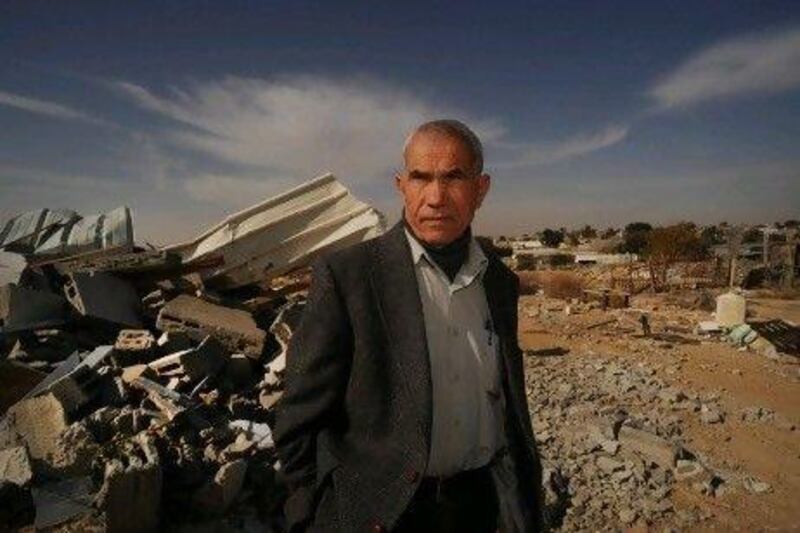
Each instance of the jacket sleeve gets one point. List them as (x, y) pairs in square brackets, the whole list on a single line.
[(317, 370)]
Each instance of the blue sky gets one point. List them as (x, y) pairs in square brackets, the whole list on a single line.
[(591, 112)]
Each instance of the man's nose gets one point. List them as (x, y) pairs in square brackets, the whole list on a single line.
[(436, 192)]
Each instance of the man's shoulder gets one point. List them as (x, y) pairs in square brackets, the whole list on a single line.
[(495, 262)]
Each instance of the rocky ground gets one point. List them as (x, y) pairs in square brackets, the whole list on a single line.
[(673, 431)]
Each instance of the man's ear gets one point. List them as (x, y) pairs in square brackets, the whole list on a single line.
[(484, 184)]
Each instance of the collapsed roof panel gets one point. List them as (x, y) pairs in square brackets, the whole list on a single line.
[(106, 231), (282, 233), (22, 233)]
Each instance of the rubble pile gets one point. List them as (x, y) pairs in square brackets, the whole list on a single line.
[(137, 385), (610, 433)]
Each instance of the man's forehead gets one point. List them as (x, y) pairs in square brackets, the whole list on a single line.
[(433, 148)]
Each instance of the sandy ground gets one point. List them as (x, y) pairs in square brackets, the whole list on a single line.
[(769, 451)]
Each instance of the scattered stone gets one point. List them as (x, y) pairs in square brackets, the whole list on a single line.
[(15, 466), (688, 470), (756, 486), (710, 415), (649, 446)]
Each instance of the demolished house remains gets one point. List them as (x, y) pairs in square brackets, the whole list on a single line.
[(137, 385)]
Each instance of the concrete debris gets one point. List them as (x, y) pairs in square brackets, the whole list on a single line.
[(60, 501), (89, 295), (133, 346), (649, 446), (688, 470), (24, 309), (195, 363), (15, 466), (39, 422), (234, 328), (140, 383), (711, 415), (755, 486), (218, 495), (17, 379), (131, 493)]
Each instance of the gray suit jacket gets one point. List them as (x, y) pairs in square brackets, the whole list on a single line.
[(353, 427)]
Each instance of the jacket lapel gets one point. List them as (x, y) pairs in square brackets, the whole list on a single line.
[(395, 284)]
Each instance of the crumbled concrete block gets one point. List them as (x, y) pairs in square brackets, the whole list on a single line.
[(756, 486), (710, 415), (688, 470), (15, 382), (15, 466), (24, 309), (218, 495), (651, 447), (59, 501), (82, 383), (131, 493), (129, 374), (133, 346), (173, 341), (89, 295), (196, 363), (39, 421), (609, 465), (235, 329)]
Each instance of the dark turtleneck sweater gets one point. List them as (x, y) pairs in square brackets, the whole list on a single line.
[(450, 257)]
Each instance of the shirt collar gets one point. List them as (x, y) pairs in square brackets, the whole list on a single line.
[(474, 266)]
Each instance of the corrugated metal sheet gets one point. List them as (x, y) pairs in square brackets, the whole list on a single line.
[(106, 231), (24, 232), (282, 233)]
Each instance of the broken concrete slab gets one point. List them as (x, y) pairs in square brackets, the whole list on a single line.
[(173, 341), (15, 466), (82, 383), (235, 329), (195, 363), (649, 446), (39, 421), (282, 233), (15, 382), (60, 501), (89, 295), (131, 493), (731, 309), (131, 373), (218, 495), (23, 309)]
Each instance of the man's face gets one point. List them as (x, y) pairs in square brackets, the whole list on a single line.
[(439, 189)]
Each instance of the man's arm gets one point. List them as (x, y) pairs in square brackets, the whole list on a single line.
[(317, 369)]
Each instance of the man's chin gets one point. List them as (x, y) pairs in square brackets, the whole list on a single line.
[(437, 236)]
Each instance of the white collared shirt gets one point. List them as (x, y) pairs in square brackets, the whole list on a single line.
[(464, 358)]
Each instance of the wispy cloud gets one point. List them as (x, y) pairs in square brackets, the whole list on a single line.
[(753, 64), (296, 127), (547, 153), (46, 108)]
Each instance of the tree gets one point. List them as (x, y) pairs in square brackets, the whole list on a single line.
[(634, 238), (552, 238), (573, 238), (668, 245), (587, 232), (608, 233)]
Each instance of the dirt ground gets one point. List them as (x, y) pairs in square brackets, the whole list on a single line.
[(741, 379)]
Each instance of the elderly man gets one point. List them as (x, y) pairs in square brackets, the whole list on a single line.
[(405, 406)]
